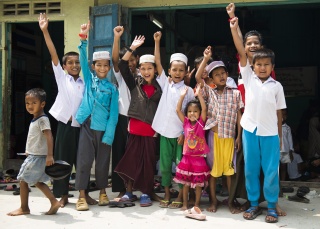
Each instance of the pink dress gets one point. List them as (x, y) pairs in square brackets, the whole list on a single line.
[(193, 169)]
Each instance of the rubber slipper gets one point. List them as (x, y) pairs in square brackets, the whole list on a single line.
[(128, 197), (164, 203), (272, 213), (254, 212), (17, 191), (82, 205), (195, 213), (120, 204), (145, 200), (300, 199), (10, 187), (175, 205)]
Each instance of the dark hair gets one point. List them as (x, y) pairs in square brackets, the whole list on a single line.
[(178, 61), (68, 54), (199, 59), (124, 50), (195, 102), (263, 53), (38, 93), (252, 33), (154, 65)]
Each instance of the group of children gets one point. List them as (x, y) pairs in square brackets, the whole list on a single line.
[(201, 128)]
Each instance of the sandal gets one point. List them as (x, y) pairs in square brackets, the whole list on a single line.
[(273, 213), (175, 205), (145, 200), (195, 213), (103, 200), (120, 204), (254, 212), (82, 205), (128, 196), (164, 203)]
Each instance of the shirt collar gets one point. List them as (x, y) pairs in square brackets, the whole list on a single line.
[(177, 85), (102, 81), (270, 79), (72, 79)]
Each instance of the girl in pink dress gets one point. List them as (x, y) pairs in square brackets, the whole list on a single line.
[(192, 171)]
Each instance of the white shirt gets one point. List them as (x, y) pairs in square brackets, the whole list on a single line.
[(231, 83), (124, 94), (262, 102), (166, 121), (287, 144), (292, 168), (70, 94), (36, 140)]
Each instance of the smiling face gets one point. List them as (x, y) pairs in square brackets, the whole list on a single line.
[(133, 61), (72, 66), (251, 45), (147, 71), (101, 67), (263, 67), (34, 106), (177, 71), (219, 76), (193, 112)]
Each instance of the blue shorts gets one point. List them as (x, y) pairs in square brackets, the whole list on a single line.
[(32, 170)]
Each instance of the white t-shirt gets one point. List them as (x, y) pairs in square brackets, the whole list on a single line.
[(124, 94), (36, 141), (166, 121), (292, 168), (287, 144), (70, 94), (262, 102)]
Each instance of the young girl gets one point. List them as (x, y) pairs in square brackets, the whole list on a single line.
[(137, 165), (193, 171)]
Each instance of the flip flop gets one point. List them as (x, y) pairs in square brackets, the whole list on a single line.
[(10, 187), (164, 203), (254, 212), (272, 213), (300, 199), (175, 205), (120, 204), (195, 213)]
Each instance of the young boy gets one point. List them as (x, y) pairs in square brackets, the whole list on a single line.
[(121, 134), (261, 122), (98, 116), (166, 121), (70, 94), (287, 146), (39, 151), (224, 104)]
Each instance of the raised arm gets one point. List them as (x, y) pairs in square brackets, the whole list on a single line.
[(231, 8), (238, 41), (43, 24), (179, 104), (202, 103), (84, 30), (157, 38), (206, 56), (118, 31), (137, 42)]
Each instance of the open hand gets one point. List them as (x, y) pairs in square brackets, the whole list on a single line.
[(84, 28), (43, 21), (118, 31), (184, 91), (137, 42)]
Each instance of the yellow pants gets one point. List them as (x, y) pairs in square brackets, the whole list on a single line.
[(223, 149)]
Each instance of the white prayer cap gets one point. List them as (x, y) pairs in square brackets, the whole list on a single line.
[(215, 64), (101, 55), (146, 59), (179, 57)]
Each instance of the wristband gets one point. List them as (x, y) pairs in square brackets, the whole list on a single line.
[(128, 49), (230, 19), (83, 36)]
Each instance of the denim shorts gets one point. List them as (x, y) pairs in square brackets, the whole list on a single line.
[(32, 170)]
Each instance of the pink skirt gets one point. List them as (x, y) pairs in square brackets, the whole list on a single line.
[(192, 171)]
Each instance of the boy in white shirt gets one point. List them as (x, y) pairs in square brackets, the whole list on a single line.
[(262, 124)]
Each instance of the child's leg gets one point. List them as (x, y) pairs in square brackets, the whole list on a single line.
[(213, 197), (270, 154), (185, 197), (24, 199), (198, 196), (232, 208), (55, 204)]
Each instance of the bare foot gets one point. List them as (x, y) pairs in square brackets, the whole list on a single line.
[(213, 207), (184, 208), (19, 211), (233, 209), (91, 201), (280, 212), (64, 201), (121, 194), (155, 197), (54, 208)]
